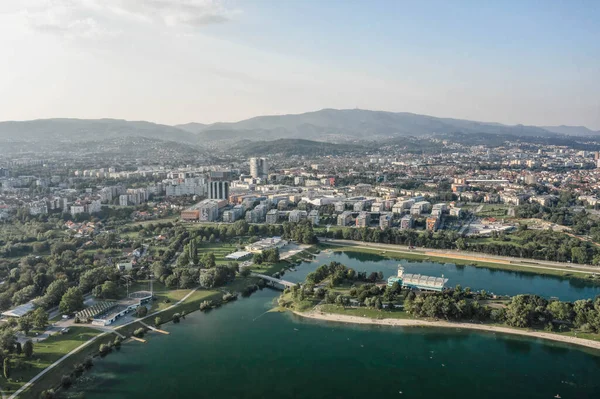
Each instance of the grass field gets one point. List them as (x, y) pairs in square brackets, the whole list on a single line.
[(44, 354)]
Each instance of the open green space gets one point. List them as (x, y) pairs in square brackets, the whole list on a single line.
[(45, 353)]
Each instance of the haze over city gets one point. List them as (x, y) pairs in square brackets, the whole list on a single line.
[(304, 199), (169, 61)]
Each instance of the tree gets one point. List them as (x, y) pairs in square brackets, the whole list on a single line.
[(40, 318), (18, 348), (208, 260), (72, 301), (561, 310), (157, 321), (8, 340), (142, 311), (6, 368), (28, 348), (245, 272), (55, 291), (109, 289), (25, 324)]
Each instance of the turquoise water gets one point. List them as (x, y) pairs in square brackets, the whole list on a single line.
[(500, 282), (239, 351)]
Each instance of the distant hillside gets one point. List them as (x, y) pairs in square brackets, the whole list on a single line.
[(290, 147), (352, 124), (80, 130), (192, 127), (572, 130)]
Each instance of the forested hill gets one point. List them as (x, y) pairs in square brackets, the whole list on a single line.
[(290, 147), (352, 124)]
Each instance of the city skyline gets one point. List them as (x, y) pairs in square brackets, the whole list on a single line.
[(207, 61)]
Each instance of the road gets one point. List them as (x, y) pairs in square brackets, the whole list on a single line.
[(475, 256)]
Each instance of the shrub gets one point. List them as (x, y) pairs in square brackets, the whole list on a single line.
[(176, 318), (139, 332), (48, 394), (228, 296), (117, 343), (88, 363), (78, 368), (142, 311), (157, 321), (66, 381), (104, 349), (206, 305)]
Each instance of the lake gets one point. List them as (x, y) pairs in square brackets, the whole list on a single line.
[(244, 351)]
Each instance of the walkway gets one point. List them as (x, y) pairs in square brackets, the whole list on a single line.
[(154, 328), (274, 280), (56, 363)]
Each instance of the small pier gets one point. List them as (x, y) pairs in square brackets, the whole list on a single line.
[(154, 328)]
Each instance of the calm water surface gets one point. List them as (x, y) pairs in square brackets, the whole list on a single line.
[(243, 351)]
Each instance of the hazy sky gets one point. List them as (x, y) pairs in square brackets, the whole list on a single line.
[(176, 61)]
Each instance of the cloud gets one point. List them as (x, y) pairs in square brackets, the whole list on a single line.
[(100, 18), (189, 13)]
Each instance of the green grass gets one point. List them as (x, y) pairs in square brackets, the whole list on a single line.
[(164, 299), (190, 305), (366, 312), (45, 353)]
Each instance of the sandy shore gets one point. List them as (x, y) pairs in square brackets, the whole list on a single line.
[(425, 323)]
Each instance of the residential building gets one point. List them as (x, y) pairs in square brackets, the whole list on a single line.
[(363, 219), (344, 218), (313, 216), (297, 215), (272, 216), (433, 223), (259, 168), (407, 222)]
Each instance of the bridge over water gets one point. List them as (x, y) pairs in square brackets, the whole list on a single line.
[(274, 280)]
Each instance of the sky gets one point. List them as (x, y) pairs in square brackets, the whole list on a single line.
[(178, 61)]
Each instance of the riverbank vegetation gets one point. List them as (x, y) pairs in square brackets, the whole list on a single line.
[(419, 255), (546, 245), (337, 289)]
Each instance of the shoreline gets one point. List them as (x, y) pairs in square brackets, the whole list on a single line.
[(464, 256), (317, 315)]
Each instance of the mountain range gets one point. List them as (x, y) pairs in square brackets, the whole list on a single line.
[(330, 125)]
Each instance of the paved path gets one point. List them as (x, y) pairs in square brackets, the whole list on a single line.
[(108, 330), (475, 256), (56, 363)]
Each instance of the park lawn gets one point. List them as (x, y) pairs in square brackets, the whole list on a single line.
[(189, 305), (164, 299), (270, 268), (415, 255), (366, 312), (52, 378), (47, 352), (220, 250)]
